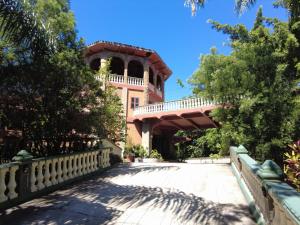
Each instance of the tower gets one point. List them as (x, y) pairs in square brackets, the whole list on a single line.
[(139, 75)]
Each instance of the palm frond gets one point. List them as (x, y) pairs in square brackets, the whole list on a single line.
[(194, 4), (20, 25), (242, 5)]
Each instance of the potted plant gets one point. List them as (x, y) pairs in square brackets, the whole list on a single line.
[(154, 156), (139, 153), (129, 153)]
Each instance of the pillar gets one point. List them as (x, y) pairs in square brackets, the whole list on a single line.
[(146, 137), (103, 63), (126, 71), (146, 84)]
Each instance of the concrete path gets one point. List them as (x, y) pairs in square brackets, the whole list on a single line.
[(154, 194)]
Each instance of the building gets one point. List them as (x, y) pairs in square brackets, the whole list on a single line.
[(139, 75)]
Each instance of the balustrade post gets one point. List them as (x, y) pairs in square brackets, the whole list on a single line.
[(12, 182), (3, 172), (33, 177), (80, 164), (53, 171), (47, 173), (40, 177), (59, 170)]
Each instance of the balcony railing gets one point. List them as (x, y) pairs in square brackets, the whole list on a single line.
[(135, 81), (173, 106), (115, 78)]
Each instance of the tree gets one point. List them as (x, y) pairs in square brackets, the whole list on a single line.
[(262, 70), (47, 91)]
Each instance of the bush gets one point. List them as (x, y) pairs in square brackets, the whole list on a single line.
[(155, 154), (292, 165), (137, 150)]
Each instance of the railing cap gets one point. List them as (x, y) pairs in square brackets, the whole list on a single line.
[(241, 150), (270, 171)]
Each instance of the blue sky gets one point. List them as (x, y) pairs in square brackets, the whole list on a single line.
[(165, 26)]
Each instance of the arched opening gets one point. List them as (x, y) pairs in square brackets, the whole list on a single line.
[(159, 83), (116, 66), (135, 69), (95, 64), (151, 76)]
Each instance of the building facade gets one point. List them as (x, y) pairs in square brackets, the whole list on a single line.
[(139, 75)]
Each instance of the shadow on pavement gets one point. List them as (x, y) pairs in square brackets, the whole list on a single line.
[(98, 201)]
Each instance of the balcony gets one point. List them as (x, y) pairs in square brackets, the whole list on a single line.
[(120, 79), (183, 104)]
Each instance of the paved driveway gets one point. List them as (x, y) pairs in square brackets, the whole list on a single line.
[(154, 194)]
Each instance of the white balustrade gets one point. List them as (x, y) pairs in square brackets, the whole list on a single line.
[(135, 81), (49, 172), (75, 166), (40, 176), (33, 177), (80, 159), (12, 184), (3, 172), (71, 164), (116, 78), (60, 170), (173, 106), (65, 168), (53, 171)]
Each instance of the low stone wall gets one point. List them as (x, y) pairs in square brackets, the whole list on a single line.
[(22, 181), (271, 200)]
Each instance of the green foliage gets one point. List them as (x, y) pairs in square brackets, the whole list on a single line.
[(53, 97), (292, 165), (136, 150), (155, 154), (258, 79)]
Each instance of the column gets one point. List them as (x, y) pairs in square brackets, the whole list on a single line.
[(103, 77), (126, 71), (146, 136), (146, 83)]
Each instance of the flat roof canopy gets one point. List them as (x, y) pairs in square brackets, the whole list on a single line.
[(152, 55)]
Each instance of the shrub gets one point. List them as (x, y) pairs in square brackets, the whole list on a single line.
[(155, 154), (292, 165), (137, 150)]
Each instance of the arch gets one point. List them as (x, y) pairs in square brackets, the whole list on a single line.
[(117, 66), (159, 83), (151, 76), (95, 64), (135, 69)]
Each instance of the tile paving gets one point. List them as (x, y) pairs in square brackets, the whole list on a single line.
[(142, 194)]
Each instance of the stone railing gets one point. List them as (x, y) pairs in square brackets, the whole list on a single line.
[(135, 81), (120, 79), (115, 78), (20, 181), (271, 200), (189, 103)]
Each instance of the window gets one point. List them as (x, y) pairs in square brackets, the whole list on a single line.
[(134, 102)]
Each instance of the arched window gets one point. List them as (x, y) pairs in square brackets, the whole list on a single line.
[(135, 69), (151, 76), (116, 66), (159, 83), (95, 64)]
